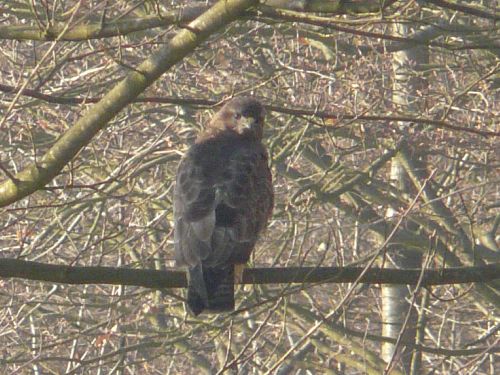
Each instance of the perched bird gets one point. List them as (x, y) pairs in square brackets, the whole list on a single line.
[(223, 199)]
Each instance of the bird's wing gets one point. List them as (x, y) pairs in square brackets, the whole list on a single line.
[(194, 213), (221, 209)]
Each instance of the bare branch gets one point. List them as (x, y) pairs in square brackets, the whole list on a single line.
[(440, 124), (177, 279), (465, 9), (80, 134), (98, 30)]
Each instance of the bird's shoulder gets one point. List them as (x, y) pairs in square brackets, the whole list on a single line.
[(221, 152)]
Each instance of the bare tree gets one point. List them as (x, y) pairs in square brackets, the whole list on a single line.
[(99, 100)]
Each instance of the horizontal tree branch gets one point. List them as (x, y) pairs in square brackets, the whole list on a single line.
[(177, 279), (99, 30), (333, 24), (336, 7), (57, 99)]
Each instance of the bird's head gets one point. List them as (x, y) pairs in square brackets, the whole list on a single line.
[(242, 115)]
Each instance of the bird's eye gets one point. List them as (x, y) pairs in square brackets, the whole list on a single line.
[(237, 116)]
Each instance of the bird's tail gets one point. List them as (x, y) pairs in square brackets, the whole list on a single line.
[(211, 289)]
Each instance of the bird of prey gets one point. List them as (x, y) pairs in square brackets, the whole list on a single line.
[(223, 199)]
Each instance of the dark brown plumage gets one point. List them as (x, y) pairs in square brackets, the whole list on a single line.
[(222, 201)]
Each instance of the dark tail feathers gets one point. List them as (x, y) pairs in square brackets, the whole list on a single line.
[(211, 289)]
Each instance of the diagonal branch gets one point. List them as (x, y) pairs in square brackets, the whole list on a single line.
[(465, 9), (35, 176)]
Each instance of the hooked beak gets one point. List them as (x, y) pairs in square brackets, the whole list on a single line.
[(246, 123)]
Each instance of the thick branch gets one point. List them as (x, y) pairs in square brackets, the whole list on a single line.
[(98, 30), (328, 22), (177, 279), (80, 134), (465, 9), (332, 7), (333, 24)]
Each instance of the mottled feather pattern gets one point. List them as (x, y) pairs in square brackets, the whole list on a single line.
[(222, 201)]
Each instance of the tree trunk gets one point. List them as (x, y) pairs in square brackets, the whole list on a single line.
[(395, 299)]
